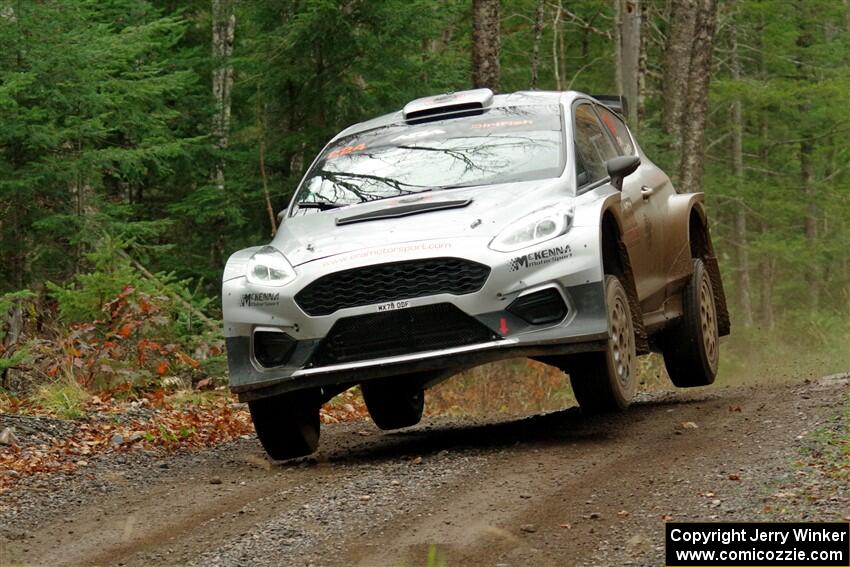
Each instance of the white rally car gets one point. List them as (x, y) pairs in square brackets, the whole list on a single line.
[(466, 228)]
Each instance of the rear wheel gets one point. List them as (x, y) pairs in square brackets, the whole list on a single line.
[(287, 424), (606, 381), (691, 347), (394, 403)]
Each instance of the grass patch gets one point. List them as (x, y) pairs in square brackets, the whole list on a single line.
[(182, 398), (832, 452), (815, 484), (64, 398), (435, 558)]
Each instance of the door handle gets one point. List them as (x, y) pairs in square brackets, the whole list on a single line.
[(646, 192)]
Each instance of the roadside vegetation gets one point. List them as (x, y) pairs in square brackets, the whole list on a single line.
[(815, 483), (831, 451)]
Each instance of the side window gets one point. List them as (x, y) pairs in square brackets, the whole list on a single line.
[(618, 130), (593, 146)]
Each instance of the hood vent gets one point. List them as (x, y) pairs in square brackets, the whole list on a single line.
[(451, 105), (404, 211)]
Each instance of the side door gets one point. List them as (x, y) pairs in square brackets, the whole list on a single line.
[(644, 201), (593, 147)]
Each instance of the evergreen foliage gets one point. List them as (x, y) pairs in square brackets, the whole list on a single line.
[(106, 109)]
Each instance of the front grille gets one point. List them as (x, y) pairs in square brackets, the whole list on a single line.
[(390, 282), (404, 331)]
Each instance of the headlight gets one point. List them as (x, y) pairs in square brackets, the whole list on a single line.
[(535, 228), (269, 267)]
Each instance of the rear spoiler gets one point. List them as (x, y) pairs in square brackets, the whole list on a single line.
[(614, 102)]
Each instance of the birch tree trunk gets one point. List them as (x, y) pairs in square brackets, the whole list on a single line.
[(676, 62), (486, 39), (766, 260), (742, 272), (643, 63), (696, 101), (261, 139), (535, 48), (628, 53), (556, 32), (807, 168), (766, 271), (810, 223), (223, 31)]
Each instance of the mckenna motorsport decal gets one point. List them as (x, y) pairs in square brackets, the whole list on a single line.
[(541, 257), (259, 299)]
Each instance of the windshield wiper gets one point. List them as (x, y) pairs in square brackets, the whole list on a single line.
[(321, 205), (458, 186)]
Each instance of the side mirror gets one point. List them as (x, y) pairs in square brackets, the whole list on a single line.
[(621, 167)]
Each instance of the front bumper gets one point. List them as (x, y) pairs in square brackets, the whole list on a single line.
[(576, 275)]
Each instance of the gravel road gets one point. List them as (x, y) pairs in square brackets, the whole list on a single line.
[(553, 489)]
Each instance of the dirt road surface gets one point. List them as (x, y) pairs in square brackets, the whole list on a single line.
[(553, 489)]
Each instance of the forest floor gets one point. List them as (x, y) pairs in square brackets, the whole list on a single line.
[(552, 489)]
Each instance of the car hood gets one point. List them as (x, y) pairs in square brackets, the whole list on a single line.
[(490, 208)]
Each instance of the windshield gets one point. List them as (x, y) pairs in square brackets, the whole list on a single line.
[(520, 143)]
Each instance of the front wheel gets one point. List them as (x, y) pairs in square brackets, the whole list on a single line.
[(691, 347), (606, 381), (287, 424), (394, 403)]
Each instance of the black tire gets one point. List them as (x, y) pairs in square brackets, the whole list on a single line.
[(607, 381), (691, 347), (394, 403), (288, 424)]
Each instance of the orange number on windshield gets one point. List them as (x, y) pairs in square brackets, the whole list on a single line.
[(344, 151)]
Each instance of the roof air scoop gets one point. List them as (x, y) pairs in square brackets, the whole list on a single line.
[(450, 105)]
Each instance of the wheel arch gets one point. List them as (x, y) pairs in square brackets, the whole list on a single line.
[(615, 261), (700, 246)]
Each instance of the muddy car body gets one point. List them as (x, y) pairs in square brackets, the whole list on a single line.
[(464, 229)]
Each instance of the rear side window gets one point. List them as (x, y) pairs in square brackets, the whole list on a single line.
[(593, 146), (618, 130)]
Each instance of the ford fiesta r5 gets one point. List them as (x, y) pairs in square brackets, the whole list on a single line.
[(463, 229)]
